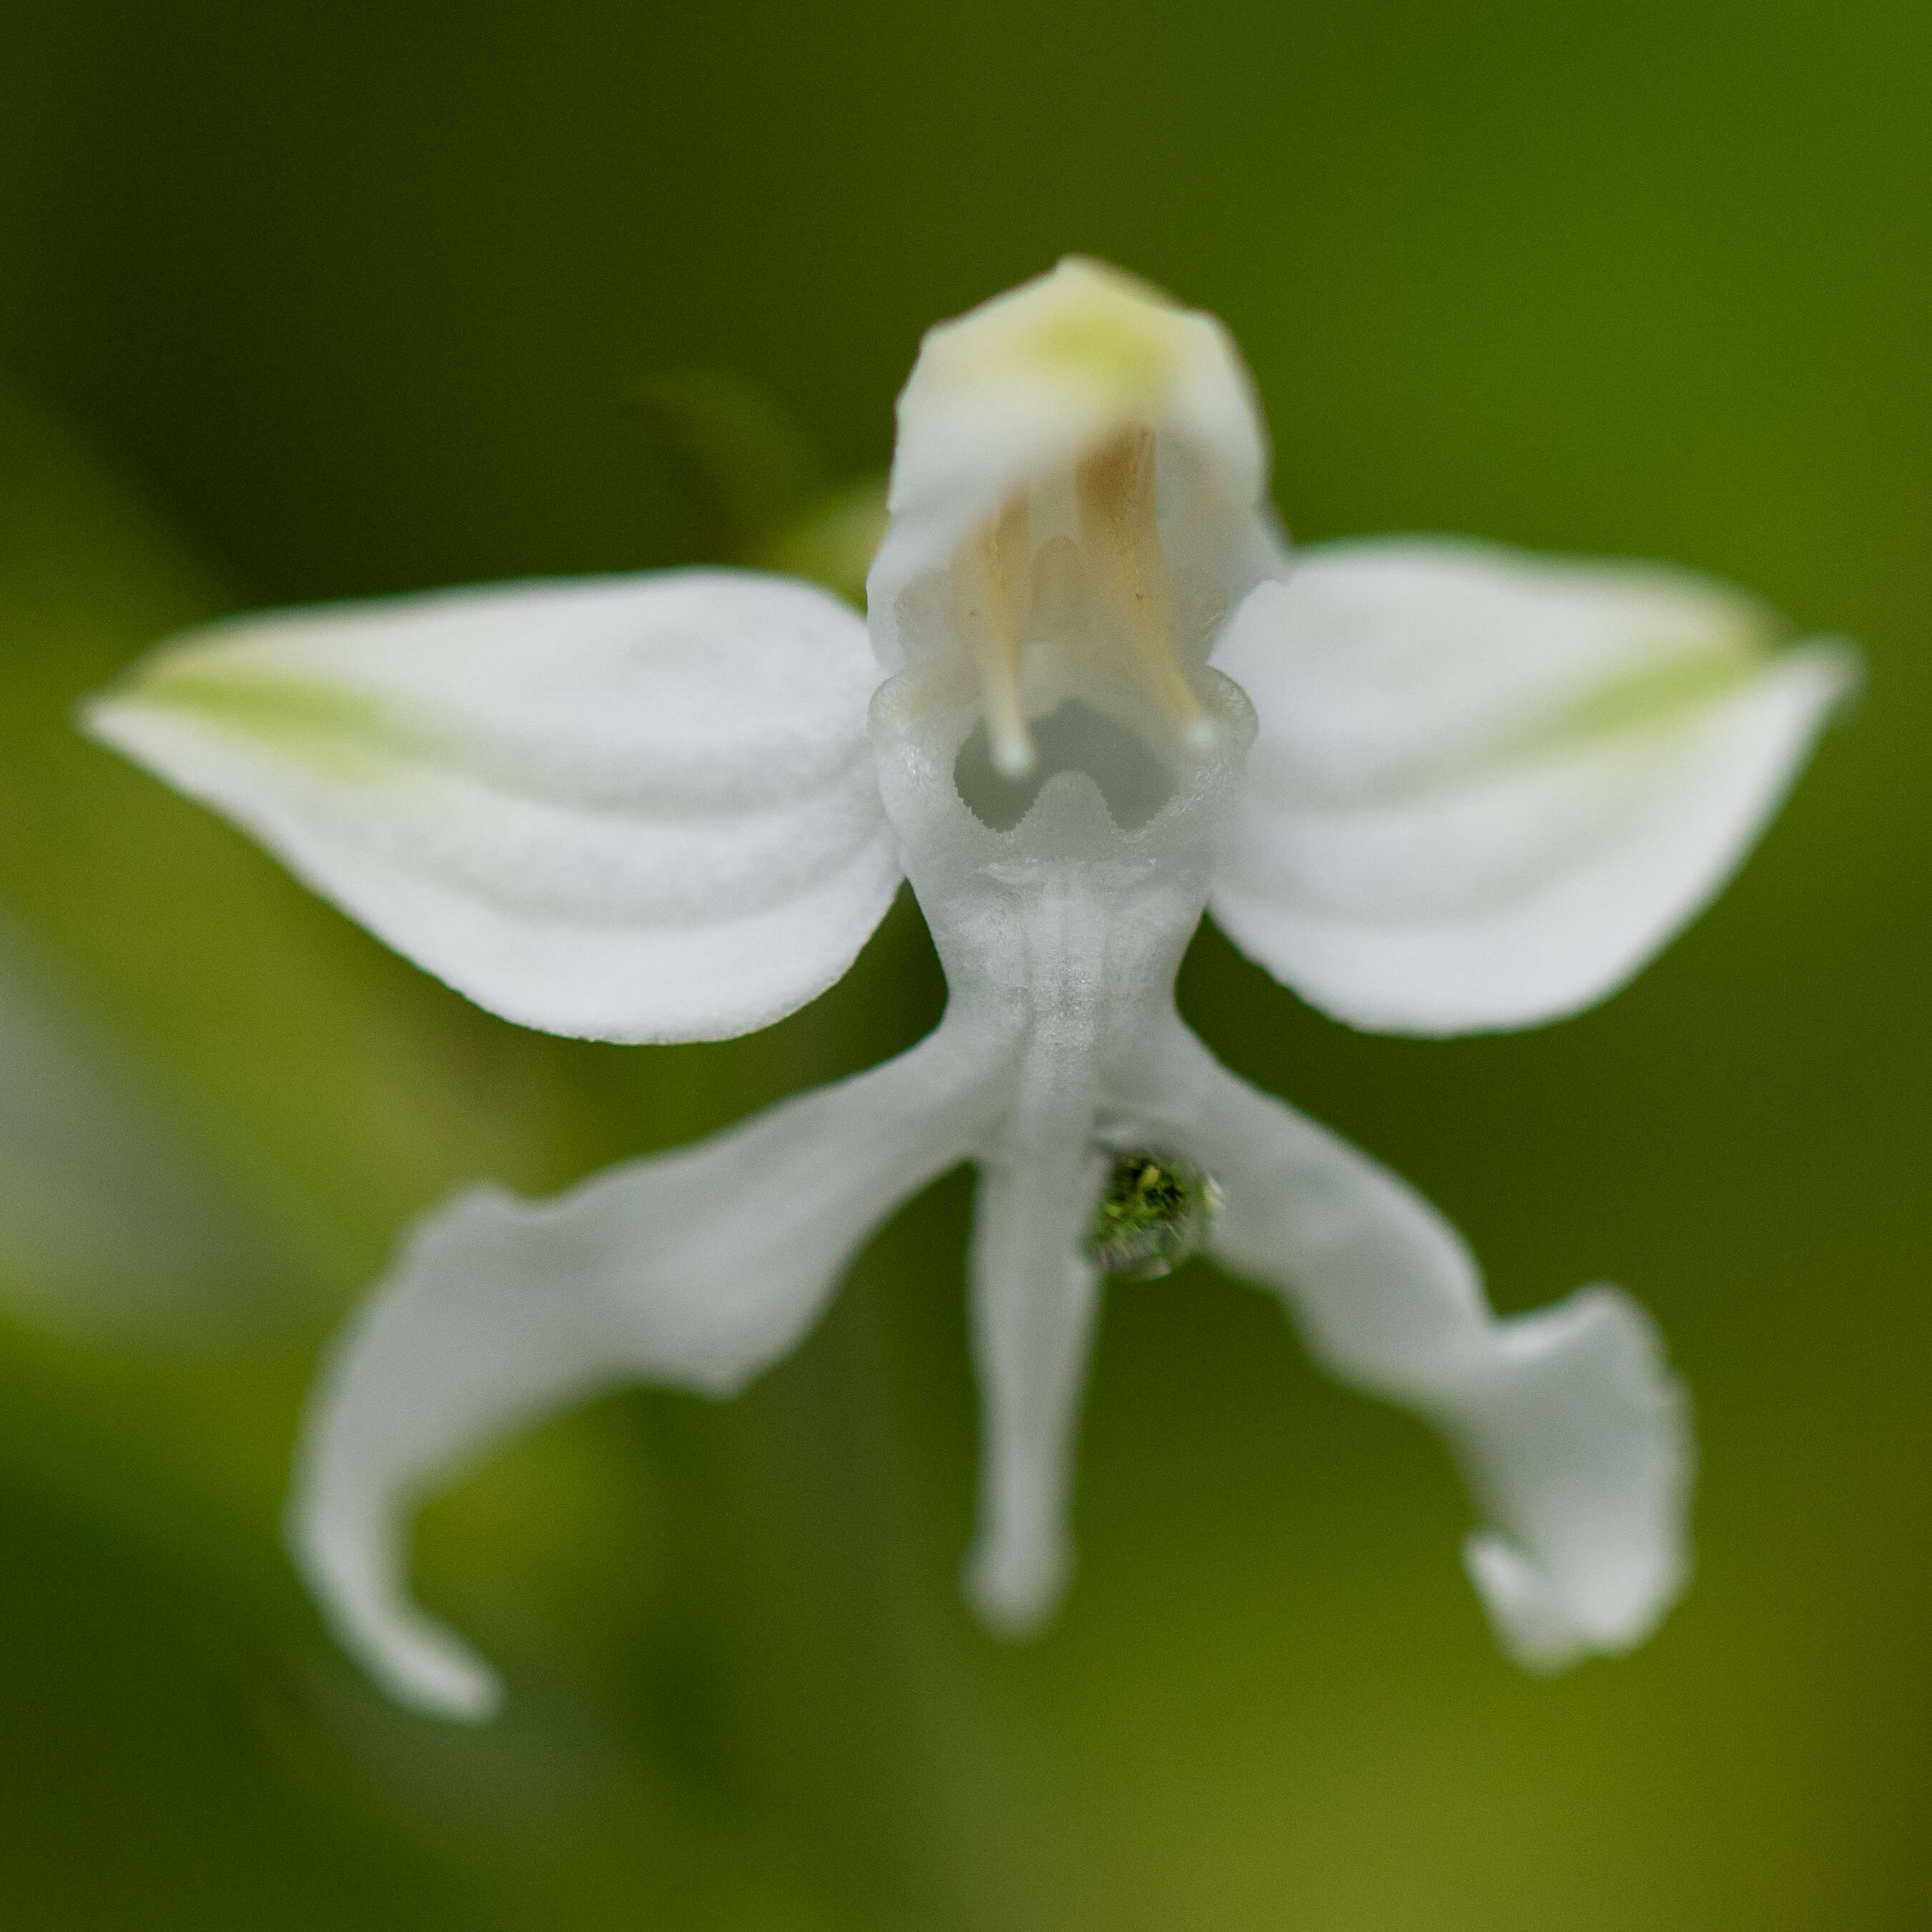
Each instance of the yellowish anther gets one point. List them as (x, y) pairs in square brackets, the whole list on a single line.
[(992, 593), (1114, 486)]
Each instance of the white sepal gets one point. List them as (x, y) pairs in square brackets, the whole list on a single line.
[(1573, 1433), (636, 809), (1489, 786), (695, 1270), (1006, 400)]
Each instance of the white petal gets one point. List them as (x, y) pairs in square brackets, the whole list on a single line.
[(696, 1270), (1034, 1301), (1573, 1433), (636, 808), (1488, 787)]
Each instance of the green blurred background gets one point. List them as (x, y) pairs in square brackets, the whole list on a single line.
[(303, 300)]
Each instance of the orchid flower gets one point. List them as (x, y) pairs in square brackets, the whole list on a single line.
[(1433, 787)]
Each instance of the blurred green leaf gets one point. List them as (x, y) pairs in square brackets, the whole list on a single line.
[(832, 539), (738, 466), (110, 1221)]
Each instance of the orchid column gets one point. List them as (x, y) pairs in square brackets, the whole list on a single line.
[(1433, 787)]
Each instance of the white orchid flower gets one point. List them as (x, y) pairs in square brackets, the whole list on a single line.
[(1432, 786)]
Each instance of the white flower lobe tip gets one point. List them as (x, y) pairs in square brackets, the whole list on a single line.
[(1114, 337), (1524, 1608), (1034, 377), (1035, 1300)]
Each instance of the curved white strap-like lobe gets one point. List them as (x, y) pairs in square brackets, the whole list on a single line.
[(695, 1270), (1573, 1434), (1035, 1297), (1488, 787), (631, 808)]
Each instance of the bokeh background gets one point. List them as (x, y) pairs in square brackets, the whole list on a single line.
[(303, 300)]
